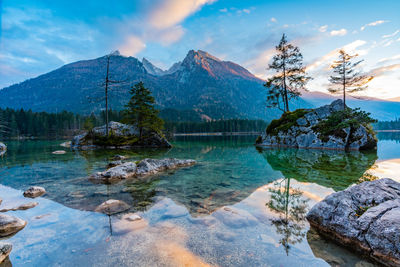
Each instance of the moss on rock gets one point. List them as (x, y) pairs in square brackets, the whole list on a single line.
[(287, 120)]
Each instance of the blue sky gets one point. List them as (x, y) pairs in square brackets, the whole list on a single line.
[(38, 36)]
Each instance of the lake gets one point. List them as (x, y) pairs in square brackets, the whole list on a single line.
[(238, 206)]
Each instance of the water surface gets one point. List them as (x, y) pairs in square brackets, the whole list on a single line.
[(237, 206)]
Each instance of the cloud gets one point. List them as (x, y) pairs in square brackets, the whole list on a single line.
[(387, 59), (223, 10), (384, 70), (132, 46), (171, 12), (340, 32), (273, 20), (372, 24), (323, 28), (391, 35)]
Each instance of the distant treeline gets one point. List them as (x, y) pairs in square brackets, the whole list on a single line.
[(387, 125), (25, 124), (232, 125)]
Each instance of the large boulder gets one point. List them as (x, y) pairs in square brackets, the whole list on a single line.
[(142, 168), (304, 128), (10, 225), (120, 136), (5, 250), (364, 217)]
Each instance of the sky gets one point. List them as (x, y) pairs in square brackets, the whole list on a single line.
[(38, 36)]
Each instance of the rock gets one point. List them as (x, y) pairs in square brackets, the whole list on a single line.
[(152, 166), (66, 144), (114, 163), (235, 218), (120, 136), (364, 217), (119, 172), (58, 152), (34, 191), (112, 206), (133, 217), (3, 147), (300, 129), (119, 157), (5, 250), (22, 207), (145, 167), (10, 225)]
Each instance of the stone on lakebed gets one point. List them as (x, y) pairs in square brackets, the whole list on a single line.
[(112, 206), (10, 225), (5, 250), (365, 218), (34, 191)]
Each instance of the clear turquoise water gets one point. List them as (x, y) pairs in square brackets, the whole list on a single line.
[(236, 206)]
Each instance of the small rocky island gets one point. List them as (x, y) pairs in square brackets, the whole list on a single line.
[(327, 127), (140, 168), (120, 136), (365, 218)]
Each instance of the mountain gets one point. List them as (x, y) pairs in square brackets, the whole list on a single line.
[(380, 109), (200, 84)]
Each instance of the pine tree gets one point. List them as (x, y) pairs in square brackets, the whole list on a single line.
[(346, 78), (140, 110), (290, 78)]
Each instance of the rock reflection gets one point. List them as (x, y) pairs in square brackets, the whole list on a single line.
[(291, 207), (333, 169)]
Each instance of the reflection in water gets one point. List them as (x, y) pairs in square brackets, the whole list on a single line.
[(334, 169), (289, 203)]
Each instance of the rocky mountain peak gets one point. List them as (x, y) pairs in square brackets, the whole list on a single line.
[(151, 68)]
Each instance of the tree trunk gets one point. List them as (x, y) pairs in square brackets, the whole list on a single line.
[(284, 86), (344, 84)]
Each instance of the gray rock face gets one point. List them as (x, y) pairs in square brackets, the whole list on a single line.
[(10, 225), (5, 250), (145, 167), (112, 206), (364, 217), (34, 191), (302, 135), (85, 140)]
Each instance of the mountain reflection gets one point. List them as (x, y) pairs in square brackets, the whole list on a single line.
[(329, 168)]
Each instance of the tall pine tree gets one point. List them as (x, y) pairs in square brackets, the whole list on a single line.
[(346, 78), (140, 110), (290, 78)]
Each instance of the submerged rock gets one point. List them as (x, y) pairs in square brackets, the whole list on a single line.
[(59, 152), (66, 144), (34, 191), (5, 250), (10, 225), (304, 128), (112, 206), (364, 217), (145, 167), (3, 148), (24, 206), (120, 136)]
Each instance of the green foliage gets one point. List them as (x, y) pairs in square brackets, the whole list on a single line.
[(342, 119), (88, 124), (287, 120), (259, 139), (113, 140), (387, 125), (140, 110), (290, 78)]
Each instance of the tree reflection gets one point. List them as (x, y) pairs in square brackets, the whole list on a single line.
[(333, 169), (291, 207)]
